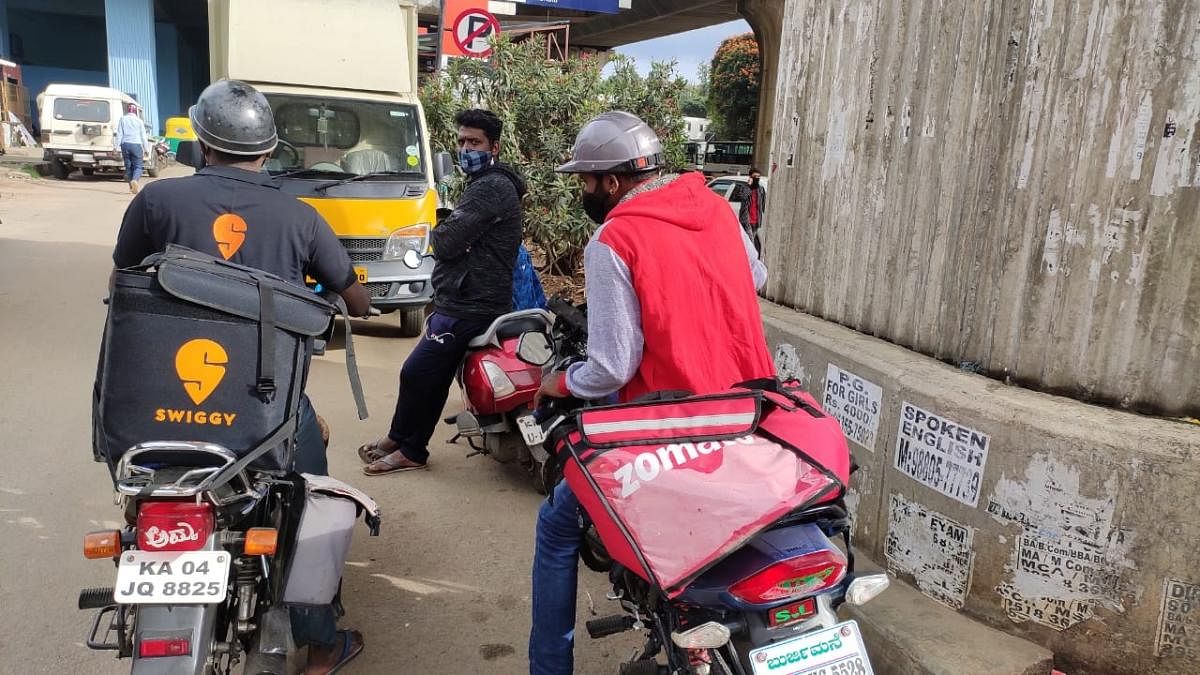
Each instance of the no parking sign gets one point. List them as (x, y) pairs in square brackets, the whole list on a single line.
[(472, 30)]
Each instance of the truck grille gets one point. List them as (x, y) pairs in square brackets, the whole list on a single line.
[(378, 289), (362, 249)]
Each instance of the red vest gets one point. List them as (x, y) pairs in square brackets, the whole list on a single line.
[(700, 319)]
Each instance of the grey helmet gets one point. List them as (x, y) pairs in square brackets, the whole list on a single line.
[(233, 117), (615, 142)]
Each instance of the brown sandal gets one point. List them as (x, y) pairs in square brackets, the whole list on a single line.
[(389, 465), (371, 452)]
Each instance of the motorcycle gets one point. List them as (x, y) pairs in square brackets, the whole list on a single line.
[(162, 150), (204, 561), (754, 612), (501, 374), (769, 606)]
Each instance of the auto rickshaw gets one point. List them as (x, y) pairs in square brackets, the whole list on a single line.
[(178, 129)]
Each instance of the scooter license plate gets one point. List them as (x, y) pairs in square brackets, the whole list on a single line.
[(833, 651), (172, 577), (531, 431)]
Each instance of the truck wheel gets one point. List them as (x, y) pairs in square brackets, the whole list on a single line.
[(60, 170), (152, 170), (88, 171), (412, 321)]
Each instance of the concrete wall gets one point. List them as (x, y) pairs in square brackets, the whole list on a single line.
[(1068, 524), (1009, 185)]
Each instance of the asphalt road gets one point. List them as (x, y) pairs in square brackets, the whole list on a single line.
[(445, 589)]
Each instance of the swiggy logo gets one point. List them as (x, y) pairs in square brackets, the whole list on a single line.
[(229, 231), (200, 365)]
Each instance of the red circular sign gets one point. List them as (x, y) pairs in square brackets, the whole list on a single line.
[(471, 31)]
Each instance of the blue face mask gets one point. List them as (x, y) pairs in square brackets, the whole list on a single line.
[(474, 161)]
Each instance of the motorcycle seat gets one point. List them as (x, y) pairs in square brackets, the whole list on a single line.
[(512, 325), (516, 327)]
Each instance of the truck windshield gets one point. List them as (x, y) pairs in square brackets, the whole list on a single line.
[(81, 110), (322, 138)]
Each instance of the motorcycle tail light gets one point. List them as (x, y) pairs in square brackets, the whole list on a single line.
[(164, 647), (501, 385), (792, 578), (173, 526)]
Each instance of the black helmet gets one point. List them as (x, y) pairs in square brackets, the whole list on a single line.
[(233, 117), (615, 142)]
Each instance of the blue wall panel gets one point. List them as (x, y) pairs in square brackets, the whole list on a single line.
[(166, 39), (129, 25), (4, 31)]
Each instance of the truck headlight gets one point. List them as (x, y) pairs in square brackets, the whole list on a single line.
[(411, 238)]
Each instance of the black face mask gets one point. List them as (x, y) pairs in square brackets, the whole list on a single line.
[(754, 181), (595, 205)]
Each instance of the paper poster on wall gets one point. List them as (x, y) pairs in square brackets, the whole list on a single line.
[(856, 402), (934, 549), (941, 454), (1179, 621)]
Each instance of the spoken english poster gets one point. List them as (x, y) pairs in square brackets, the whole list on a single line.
[(941, 454)]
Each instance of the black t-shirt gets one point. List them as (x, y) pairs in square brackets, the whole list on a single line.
[(237, 215)]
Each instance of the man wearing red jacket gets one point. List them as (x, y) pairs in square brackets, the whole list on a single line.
[(671, 279)]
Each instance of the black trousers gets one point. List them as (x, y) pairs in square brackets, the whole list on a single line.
[(425, 381)]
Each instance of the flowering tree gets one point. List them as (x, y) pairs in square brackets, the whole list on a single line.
[(733, 83), (543, 104)]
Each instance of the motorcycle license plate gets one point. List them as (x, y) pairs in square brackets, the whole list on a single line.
[(172, 577), (531, 431), (361, 273), (833, 651)]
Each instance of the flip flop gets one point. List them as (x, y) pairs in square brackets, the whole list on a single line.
[(349, 649), (392, 466), (371, 452)]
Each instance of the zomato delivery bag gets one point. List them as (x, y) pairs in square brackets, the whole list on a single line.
[(675, 485), (196, 348)]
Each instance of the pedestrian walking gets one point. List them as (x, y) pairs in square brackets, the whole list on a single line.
[(131, 141)]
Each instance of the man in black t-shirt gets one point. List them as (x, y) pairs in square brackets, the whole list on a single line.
[(231, 209)]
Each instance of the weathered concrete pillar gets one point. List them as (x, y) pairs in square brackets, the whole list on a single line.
[(980, 204), (766, 19)]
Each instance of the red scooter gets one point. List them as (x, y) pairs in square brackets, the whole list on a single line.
[(499, 376)]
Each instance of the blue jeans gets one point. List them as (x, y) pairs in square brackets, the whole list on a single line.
[(555, 580), (132, 153)]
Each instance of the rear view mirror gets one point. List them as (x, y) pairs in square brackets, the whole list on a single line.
[(535, 348), (443, 165), (189, 154)]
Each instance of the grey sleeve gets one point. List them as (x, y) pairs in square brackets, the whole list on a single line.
[(757, 269), (614, 326)]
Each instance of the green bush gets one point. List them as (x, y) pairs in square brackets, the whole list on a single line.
[(544, 103)]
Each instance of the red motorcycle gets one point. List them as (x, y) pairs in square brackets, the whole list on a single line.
[(499, 377)]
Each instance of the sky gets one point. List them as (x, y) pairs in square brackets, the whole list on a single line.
[(690, 49)]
